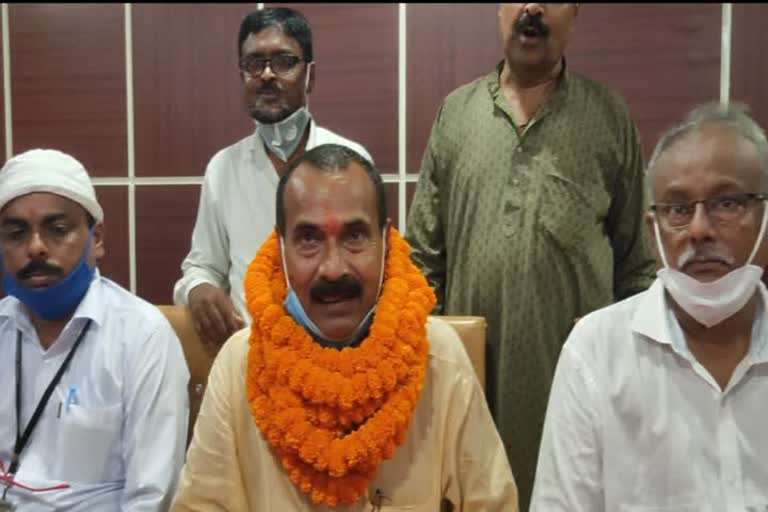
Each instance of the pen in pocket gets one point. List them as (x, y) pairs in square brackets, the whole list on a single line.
[(71, 398)]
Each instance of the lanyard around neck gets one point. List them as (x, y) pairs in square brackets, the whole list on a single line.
[(23, 438)]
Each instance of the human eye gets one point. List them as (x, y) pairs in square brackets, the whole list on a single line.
[(284, 62), (14, 234), (59, 229), (728, 203), (357, 238), (253, 64), (678, 209), (307, 239), (677, 213)]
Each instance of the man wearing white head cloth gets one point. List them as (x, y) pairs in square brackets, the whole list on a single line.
[(94, 410)]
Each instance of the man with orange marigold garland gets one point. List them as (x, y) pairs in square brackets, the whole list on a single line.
[(342, 394)]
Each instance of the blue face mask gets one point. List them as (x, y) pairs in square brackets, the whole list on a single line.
[(293, 306), (60, 299)]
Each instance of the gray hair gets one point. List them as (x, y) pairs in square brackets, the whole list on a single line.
[(734, 115)]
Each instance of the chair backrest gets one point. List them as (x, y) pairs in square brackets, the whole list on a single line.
[(471, 330), (199, 356)]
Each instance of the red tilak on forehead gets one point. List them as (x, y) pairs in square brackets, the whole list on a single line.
[(331, 223)]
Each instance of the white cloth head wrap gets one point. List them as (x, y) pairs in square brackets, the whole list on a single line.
[(48, 170)]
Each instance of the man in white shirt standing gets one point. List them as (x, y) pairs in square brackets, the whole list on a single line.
[(94, 408), (659, 401), (237, 200)]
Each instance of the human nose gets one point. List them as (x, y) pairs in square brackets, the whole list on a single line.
[(334, 266), (36, 247), (534, 9), (268, 75), (701, 227)]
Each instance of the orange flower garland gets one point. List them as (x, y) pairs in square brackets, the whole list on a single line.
[(334, 415)]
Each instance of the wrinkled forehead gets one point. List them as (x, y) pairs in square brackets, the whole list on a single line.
[(330, 198), (35, 206), (710, 157)]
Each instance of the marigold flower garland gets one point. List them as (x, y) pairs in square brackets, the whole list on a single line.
[(333, 416)]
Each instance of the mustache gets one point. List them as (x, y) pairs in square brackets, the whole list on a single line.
[(704, 252), (531, 22), (39, 266), (268, 87), (345, 288)]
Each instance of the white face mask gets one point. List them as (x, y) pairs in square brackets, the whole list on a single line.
[(295, 308), (711, 303), (283, 137)]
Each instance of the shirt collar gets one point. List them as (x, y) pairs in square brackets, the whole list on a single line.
[(656, 320), (648, 319), (492, 81)]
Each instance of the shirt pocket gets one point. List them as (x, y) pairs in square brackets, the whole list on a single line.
[(571, 214), (87, 438)]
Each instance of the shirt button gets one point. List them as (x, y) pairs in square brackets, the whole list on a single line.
[(515, 182), (519, 149)]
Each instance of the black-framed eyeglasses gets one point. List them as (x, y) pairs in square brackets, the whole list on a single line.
[(281, 64), (723, 209)]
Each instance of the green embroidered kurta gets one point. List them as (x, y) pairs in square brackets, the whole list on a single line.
[(530, 230)]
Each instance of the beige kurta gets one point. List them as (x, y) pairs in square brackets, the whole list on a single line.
[(453, 450)]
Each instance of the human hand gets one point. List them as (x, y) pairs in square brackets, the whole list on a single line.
[(213, 313)]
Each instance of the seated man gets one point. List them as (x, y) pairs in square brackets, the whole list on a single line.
[(94, 408), (237, 199), (658, 402), (342, 392)]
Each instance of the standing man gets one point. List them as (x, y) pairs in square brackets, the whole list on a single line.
[(658, 402), (237, 200), (94, 408), (528, 211)]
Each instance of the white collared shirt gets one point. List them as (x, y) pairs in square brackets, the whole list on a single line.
[(635, 423), (120, 443), (236, 214)]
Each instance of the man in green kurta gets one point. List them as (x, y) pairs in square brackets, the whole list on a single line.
[(528, 211)]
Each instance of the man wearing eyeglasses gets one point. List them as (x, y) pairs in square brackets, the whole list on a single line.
[(237, 200), (659, 401)]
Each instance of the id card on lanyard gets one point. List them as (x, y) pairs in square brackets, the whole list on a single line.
[(23, 437)]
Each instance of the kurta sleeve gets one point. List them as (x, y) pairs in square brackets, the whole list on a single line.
[(156, 415), (208, 259), (211, 479), (634, 264), (476, 472), (569, 471), (424, 229)]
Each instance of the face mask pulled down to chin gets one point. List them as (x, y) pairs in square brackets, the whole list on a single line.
[(293, 307), (283, 137), (712, 302), (58, 300)]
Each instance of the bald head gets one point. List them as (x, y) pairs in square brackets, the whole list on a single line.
[(713, 127)]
